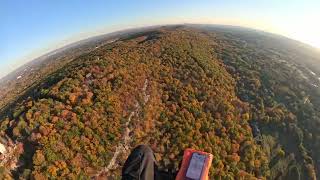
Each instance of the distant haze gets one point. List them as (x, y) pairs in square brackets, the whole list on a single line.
[(32, 28)]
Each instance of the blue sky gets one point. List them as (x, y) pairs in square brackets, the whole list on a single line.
[(30, 28)]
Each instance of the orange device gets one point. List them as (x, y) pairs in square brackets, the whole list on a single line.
[(195, 165)]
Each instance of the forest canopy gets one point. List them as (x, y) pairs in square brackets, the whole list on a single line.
[(227, 91)]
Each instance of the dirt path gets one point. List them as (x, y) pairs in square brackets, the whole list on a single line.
[(124, 145)]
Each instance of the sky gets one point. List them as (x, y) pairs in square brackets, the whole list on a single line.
[(31, 28)]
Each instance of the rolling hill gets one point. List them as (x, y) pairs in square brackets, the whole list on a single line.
[(250, 98)]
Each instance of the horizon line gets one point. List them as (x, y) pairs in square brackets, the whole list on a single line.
[(83, 36)]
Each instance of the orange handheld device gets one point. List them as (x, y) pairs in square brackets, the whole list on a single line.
[(195, 165)]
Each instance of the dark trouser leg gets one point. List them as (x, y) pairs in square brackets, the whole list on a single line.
[(140, 164)]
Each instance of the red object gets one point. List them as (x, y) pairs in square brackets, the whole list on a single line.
[(185, 164)]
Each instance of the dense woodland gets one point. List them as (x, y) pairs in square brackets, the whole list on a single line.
[(254, 107)]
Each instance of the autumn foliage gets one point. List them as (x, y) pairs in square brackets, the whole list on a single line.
[(76, 118)]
